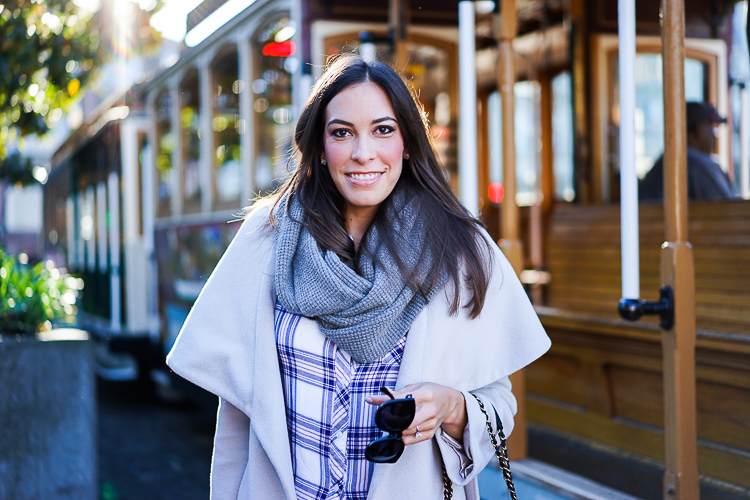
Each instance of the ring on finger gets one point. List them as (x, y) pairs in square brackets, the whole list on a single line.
[(417, 434)]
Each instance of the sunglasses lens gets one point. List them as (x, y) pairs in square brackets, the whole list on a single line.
[(384, 450), (396, 415)]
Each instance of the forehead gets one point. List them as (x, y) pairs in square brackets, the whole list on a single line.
[(366, 101)]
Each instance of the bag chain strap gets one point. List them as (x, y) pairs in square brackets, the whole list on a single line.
[(501, 452), (447, 485)]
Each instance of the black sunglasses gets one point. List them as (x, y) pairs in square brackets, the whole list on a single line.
[(394, 417)]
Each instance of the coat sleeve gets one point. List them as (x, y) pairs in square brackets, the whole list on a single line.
[(230, 451), (464, 464)]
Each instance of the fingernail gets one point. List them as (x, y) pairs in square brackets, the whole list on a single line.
[(368, 399)]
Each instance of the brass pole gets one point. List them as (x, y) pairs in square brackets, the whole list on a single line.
[(585, 180), (397, 13), (547, 186), (677, 270), (548, 154), (675, 135), (510, 243)]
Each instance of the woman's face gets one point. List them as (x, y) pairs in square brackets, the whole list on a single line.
[(363, 147)]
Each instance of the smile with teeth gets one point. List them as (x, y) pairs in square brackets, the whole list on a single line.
[(364, 178)]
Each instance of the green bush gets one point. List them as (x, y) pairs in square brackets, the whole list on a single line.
[(31, 297)]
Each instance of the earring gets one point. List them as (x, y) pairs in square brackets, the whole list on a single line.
[(406, 156), (323, 161)]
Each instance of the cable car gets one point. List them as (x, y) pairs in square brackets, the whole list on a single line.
[(143, 206)]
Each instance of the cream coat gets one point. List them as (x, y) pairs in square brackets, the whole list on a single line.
[(227, 346)]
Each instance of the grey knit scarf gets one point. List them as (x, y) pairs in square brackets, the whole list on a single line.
[(365, 314)]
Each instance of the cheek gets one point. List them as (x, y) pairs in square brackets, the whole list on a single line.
[(393, 152), (337, 154)]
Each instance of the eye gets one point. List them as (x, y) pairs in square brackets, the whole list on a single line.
[(339, 133), (385, 129)]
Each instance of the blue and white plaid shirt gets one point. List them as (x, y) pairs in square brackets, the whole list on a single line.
[(328, 420)]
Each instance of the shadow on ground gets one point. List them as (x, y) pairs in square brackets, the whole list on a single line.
[(150, 449)]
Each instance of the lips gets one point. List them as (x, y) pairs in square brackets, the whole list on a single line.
[(364, 178)]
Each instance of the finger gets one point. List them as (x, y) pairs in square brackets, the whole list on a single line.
[(377, 400), (416, 391), (425, 413), (424, 425), (426, 432)]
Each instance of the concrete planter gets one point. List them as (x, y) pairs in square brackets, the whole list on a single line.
[(47, 417)]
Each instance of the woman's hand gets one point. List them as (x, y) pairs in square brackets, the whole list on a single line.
[(436, 406)]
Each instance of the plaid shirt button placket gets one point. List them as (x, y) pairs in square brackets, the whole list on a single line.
[(328, 420)]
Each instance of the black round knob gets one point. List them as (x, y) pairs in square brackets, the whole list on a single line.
[(630, 309)]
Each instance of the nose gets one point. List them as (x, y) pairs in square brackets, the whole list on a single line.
[(363, 151)]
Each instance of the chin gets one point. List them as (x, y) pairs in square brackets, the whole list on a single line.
[(366, 203)]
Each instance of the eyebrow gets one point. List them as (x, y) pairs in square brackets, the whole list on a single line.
[(348, 124)]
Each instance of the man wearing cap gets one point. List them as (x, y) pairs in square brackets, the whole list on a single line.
[(706, 179)]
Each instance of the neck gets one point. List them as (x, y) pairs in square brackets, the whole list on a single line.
[(357, 220)]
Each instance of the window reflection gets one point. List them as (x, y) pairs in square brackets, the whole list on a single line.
[(225, 123), (562, 136), (649, 109), (272, 102), (186, 255), (164, 147), (428, 72), (495, 135), (528, 142), (190, 124)]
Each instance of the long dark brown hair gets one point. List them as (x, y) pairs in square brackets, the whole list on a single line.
[(452, 239)]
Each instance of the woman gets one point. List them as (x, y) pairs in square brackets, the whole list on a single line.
[(363, 271)]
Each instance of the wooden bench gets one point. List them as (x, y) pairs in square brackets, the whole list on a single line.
[(602, 378), (583, 258)]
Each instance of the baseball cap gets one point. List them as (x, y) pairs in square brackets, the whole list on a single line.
[(702, 112)]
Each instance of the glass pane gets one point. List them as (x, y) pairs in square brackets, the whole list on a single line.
[(227, 171), (562, 136), (495, 133), (694, 80), (190, 106), (185, 257), (739, 71), (527, 138), (528, 142), (649, 108), (429, 73), (272, 103), (164, 147)]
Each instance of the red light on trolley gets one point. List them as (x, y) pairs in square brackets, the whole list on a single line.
[(496, 192), (280, 49)]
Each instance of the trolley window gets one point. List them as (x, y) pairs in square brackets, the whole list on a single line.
[(225, 123), (275, 61), (164, 148), (190, 106), (705, 74)]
